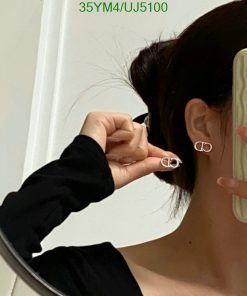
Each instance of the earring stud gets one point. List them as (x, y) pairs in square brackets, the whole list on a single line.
[(167, 162), (203, 146)]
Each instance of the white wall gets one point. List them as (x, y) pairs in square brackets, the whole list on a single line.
[(19, 31), (77, 51), (91, 47)]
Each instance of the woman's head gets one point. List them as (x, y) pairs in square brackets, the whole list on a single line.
[(180, 78)]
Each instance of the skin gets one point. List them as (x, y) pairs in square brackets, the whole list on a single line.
[(207, 253), (209, 235), (125, 144), (209, 248)]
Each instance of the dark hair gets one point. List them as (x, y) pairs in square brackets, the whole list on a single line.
[(196, 64)]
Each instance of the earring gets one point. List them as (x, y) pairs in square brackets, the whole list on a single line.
[(203, 146), (147, 121), (167, 162)]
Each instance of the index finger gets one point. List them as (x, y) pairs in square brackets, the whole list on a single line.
[(118, 121), (154, 151)]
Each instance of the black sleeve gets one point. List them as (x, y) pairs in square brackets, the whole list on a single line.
[(79, 177)]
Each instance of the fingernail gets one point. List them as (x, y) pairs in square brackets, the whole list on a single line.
[(230, 183), (178, 158), (171, 154), (242, 131), (240, 128)]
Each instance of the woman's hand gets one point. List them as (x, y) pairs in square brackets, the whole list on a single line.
[(231, 185), (125, 144)]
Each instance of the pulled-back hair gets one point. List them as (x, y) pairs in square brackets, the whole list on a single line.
[(196, 64)]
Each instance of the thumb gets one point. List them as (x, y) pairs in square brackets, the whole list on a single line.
[(142, 168)]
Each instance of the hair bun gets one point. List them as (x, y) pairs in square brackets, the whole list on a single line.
[(145, 68)]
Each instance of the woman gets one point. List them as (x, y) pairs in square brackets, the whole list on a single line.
[(186, 84)]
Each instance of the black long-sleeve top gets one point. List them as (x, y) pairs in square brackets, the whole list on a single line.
[(46, 198)]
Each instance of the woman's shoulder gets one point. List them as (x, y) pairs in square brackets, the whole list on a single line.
[(98, 268), (74, 255)]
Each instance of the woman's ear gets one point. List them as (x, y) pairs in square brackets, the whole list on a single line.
[(200, 120)]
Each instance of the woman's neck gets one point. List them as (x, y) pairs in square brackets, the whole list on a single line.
[(210, 243)]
